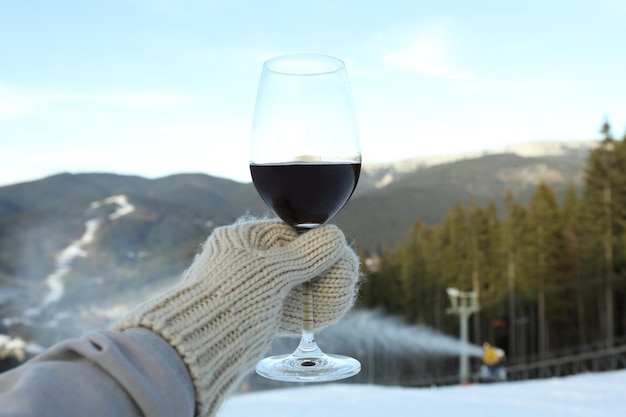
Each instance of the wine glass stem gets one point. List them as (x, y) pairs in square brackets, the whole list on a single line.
[(307, 341), (308, 347), (307, 306)]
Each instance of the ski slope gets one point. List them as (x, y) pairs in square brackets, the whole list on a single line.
[(585, 395)]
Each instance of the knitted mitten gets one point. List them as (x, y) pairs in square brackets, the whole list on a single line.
[(222, 315)]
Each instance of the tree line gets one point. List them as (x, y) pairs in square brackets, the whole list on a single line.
[(548, 274)]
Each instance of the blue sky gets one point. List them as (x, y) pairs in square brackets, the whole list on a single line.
[(159, 87)]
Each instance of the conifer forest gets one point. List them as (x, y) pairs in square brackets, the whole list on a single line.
[(547, 274)]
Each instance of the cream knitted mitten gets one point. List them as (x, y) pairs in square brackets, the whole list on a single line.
[(242, 290)]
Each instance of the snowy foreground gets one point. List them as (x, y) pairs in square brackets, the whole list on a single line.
[(587, 395)]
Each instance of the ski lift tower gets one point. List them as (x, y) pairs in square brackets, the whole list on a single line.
[(463, 304)]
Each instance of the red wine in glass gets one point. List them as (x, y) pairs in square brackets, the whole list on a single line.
[(305, 194)]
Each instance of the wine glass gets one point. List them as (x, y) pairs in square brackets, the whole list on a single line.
[(305, 163)]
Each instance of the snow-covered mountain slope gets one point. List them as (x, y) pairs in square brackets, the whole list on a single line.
[(387, 172)]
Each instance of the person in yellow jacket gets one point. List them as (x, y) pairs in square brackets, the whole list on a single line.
[(492, 358)]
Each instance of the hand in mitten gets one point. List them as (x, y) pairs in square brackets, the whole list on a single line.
[(240, 291)]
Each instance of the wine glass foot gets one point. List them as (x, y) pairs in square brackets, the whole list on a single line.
[(295, 368)]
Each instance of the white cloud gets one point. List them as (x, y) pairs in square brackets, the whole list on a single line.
[(21, 102), (428, 53)]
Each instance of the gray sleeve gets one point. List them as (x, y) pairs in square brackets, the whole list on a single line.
[(106, 373)]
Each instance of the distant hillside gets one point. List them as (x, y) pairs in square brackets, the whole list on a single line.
[(377, 175), (381, 216), (113, 254), (39, 218)]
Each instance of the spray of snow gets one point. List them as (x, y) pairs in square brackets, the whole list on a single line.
[(372, 330)]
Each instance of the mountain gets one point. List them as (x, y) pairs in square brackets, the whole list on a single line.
[(90, 244), (379, 175), (390, 197), (68, 231)]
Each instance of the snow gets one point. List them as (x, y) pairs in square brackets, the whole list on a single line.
[(527, 149), (16, 347), (123, 206), (76, 249), (584, 395), (55, 282)]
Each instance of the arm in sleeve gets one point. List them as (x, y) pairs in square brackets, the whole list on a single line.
[(105, 373)]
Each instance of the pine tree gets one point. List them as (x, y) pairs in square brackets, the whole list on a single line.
[(494, 283), (416, 274), (604, 222), (514, 238), (484, 261), (545, 227), (487, 254), (438, 242), (383, 288), (455, 255), (571, 260)]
